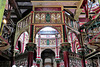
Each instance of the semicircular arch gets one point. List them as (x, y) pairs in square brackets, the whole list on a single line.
[(59, 30)]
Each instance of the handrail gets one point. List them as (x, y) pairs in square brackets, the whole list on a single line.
[(23, 23), (24, 18)]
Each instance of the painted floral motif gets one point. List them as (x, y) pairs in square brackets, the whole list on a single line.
[(58, 18), (43, 18), (53, 18), (47, 17), (37, 18), (52, 42), (43, 42), (23, 23)]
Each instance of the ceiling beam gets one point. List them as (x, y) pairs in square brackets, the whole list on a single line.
[(14, 5), (26, 12), (70, 7), (25, 7), (15, 20)]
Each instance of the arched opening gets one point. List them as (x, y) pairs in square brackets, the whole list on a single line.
[(48, 56), (48, 36), (21, 43), (48, 40)]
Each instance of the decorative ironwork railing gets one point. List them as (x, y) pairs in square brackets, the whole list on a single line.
[(23, 23), (47, 42), (74, 55), (69, 21), (74, 60), (21, 60), (48, 17)]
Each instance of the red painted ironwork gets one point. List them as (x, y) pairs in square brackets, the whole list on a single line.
[(30, 59), (66, 58), (58, 64), (38, 65)]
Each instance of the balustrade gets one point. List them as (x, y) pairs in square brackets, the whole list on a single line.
[(48, 17), (23, 23), (70, 22)]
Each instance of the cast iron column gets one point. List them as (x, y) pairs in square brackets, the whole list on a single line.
[(81, 53), (65, 47), (38, 60), (58, 62), (30, 47)]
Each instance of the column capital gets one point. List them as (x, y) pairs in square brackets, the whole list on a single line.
[(56, 35), (38, 60), (65, 46), (30, 46), (81, 51), (57, 60)]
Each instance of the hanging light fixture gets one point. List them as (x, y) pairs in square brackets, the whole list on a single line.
[(14, 66), (32, 66), (21, 66), (4, 21)]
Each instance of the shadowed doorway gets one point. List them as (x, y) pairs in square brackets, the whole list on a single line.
[(48, 56)]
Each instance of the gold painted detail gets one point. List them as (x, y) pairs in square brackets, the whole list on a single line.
[(41, 17), (37, 28), (23, 23), (51, 41)]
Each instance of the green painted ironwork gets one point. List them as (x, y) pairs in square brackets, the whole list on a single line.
[(38, 61), (47, 17), (47, 41), (30, 46), (65, 46)]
